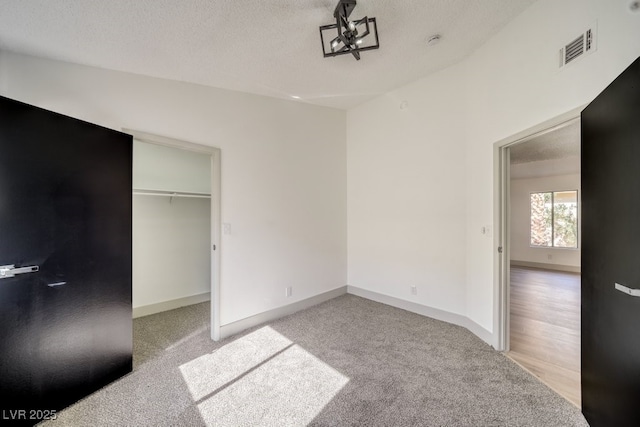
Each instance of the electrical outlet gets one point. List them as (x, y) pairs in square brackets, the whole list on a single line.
[(288, 291), (414, 290)]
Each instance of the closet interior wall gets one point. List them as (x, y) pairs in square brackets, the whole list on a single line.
[(171, 224)]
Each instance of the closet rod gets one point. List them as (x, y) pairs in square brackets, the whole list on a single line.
[(170, 194)]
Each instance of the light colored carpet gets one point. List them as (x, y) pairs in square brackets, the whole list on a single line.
[(346, 362)]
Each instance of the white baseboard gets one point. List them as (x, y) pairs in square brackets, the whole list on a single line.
[(267, 316), (146, 310), (546, 266), (480, 332), (434, 313)]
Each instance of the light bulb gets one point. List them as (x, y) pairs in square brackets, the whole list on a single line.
[(352, 25)]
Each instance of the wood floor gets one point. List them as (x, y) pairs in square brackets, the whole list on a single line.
[(545, 327)]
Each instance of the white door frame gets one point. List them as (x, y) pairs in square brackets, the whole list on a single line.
[(214, 152), (501, 214)]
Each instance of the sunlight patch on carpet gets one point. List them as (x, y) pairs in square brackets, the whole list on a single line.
[(261, 379), (208, 373)]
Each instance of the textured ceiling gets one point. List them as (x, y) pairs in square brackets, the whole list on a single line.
[(267, 47), (551, 153), (561, 143)]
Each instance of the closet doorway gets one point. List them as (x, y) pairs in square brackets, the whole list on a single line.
[(176, 225)]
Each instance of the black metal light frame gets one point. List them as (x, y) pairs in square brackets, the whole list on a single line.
[(351, 34)]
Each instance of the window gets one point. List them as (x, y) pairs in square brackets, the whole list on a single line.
[(554, 219)]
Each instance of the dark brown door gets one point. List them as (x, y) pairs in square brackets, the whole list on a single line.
[(65, 260), (611, 254)]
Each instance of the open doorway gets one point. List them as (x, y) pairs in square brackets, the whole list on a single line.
[(176, 226), (539, 266), (544, 257)]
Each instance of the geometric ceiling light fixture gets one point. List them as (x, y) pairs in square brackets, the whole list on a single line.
[(351, 34)]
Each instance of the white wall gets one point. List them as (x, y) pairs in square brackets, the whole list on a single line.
[(514, 84), (443, 143), (406, 209), (541, 168), (160, 168), (283, 169), (171, 253), (520, 207)]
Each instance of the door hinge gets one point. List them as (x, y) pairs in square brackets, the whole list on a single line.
[(499, 249), (214, 247)]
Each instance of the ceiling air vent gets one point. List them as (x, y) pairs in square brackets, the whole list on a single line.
[(583, 44)]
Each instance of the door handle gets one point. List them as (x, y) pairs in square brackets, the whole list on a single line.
[(7, 271), (628, 291)]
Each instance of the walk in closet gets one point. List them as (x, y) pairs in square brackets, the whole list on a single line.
[(171, 226)]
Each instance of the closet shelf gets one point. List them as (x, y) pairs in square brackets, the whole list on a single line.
[(140, 192)]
